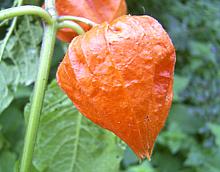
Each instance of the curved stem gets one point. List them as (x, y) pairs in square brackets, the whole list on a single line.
[(39, 92), (78, 19), (72, 25), (25, 10)]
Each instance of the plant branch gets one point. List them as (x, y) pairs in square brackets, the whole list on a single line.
[(40, 87), (72, 25), (78, 19), (25, 10)]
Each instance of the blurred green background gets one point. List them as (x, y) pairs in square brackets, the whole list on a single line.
[(190, 141)]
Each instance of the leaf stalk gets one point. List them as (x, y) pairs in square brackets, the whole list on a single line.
[(77, 19), (72, 25)]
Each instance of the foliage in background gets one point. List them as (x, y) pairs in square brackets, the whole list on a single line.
[(18, 67), (190, 142)]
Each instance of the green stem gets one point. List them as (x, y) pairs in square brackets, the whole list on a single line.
[(25, 10), (78, 19), (39, 91), (72, 25)]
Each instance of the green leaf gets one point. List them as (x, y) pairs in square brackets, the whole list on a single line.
[(69, 142), (165, 162), (180, 84), (10, 75), (174, 139), (129, 158), (6, 94), (202, 49), (204, 159), (206, 168), (20, 60), (23, 49), (196, 157), (143, 167), (186, 121), (215, 129), (12, 125), (22, 92), (7, 161)]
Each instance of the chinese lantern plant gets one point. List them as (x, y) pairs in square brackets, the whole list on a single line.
[(119, 74)]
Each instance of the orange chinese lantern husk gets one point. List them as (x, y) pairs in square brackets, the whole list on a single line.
[(120, 76), (95, 10)]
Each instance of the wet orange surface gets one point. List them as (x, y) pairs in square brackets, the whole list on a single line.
[(120, 76), (95, 10)]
